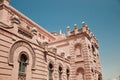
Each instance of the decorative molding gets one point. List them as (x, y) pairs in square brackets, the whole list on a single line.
[(25, 32), (51, 61), (45, 55), (5, 26), (17, 45)]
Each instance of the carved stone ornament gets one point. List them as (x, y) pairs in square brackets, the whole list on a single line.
[(20, 44), (15, 19), (5, 26), (25, 32), (34, 30), (39, 42)]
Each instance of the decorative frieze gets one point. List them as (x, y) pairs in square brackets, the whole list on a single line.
[(5, 26), (25, 32)]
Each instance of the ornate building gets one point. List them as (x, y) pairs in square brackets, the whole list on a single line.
[(29, 52)]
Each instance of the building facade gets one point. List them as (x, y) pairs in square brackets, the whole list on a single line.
[(29, 52)]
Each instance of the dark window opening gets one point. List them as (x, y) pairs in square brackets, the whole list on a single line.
[(22, 64), (50, 71), (22, 67), (60, 73), (93, 49), (68, 74)]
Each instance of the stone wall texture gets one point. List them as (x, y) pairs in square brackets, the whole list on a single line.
[(29, 52)]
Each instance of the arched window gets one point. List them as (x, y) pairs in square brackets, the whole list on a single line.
[(93, 49), (22, 67), (78, 50), (68, 73), (99, 77), (50, 68), (80, 74), (60, 73), (22, 64)]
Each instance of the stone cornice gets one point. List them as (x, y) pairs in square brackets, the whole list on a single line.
[(50, 53), (25, 32), (58, 57), (5, 26), (13, 11)]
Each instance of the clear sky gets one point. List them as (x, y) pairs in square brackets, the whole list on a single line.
[(102, 17)]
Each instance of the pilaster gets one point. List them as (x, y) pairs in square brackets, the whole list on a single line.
[(55, 65), (72, 62), (4, 14), (87, 68), (64, 74)]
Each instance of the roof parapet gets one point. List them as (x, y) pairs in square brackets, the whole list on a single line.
[(85, 29), (75, 26), (83, 24), (68, 30)]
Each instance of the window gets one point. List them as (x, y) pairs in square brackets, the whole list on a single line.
[(80, 74), (22, 64), (60, 73), (68, 74), (78, 50), (99, 77), (50, 71), (93, 49), (22, 67)]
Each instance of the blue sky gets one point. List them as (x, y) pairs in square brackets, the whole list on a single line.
[(102, 17)]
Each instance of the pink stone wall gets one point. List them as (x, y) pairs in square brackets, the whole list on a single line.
[(75, 54)]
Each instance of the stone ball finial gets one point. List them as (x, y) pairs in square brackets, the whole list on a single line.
[(34, 30), (83, 24), (15, 19), (62, 53), (45, 42), (54, 48), (75, 26), (68, 28)]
